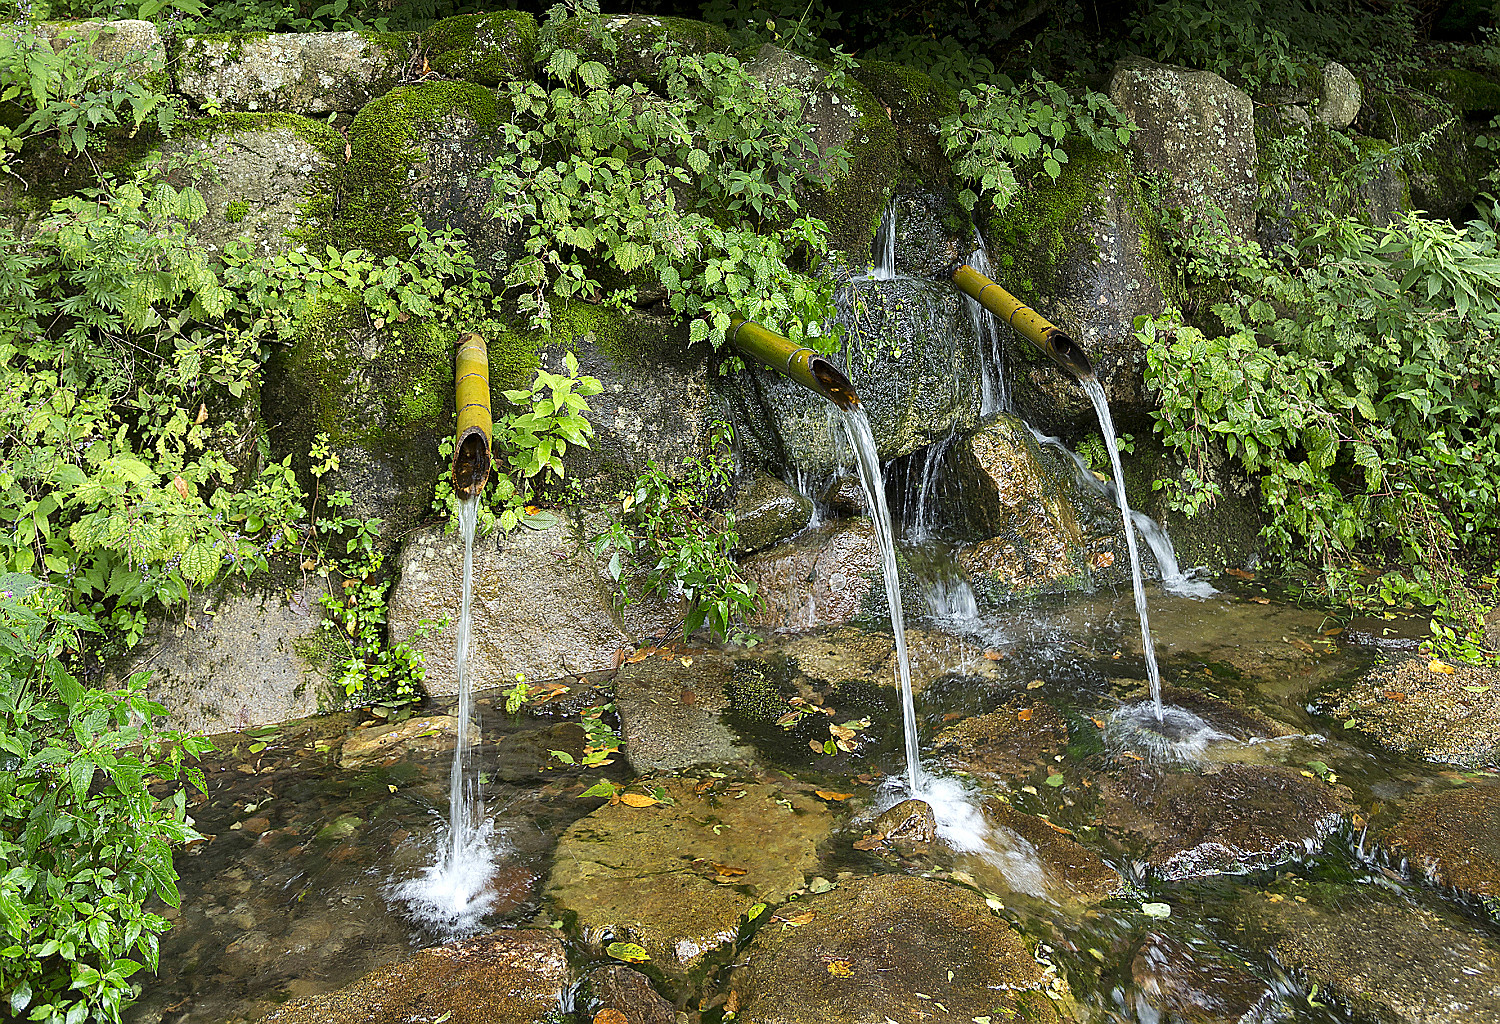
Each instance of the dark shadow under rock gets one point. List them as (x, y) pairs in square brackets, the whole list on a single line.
[(506, 977), (873, 944), (1240, 817)]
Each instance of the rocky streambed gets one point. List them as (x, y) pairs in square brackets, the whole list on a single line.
[(748, 855)]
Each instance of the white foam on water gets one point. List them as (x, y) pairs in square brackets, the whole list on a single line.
[(451, 896), (1173, 734)]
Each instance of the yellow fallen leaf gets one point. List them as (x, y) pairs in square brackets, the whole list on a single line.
[(637, 799), (841, 969), (1440, 666), (686, 662), (609, 1015), (1024, 714), (828, 794), (1036, 684), (815, 745), (725, 869)]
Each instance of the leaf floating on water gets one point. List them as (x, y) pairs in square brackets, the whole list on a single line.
[(1024, 714), (798, 920), (637, 799), (1477, 689), (1440, 666), (627, 951), (994, 655), (828, 794), (1098, 722), (1031, 790), (841, 969), (755, 911), (1054, 781), (816, 745), (1261, 600), (1036, 684), (1156, 910), (870, 842), (1241, 574)]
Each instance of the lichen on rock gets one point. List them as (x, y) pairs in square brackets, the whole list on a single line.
[(292, 72)]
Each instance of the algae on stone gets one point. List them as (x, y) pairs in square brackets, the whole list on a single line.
[(484, 48)]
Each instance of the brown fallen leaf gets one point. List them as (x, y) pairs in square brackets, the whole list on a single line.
[(1241, 574), (801, 919), (1302, 645), (202, 416), (620, 653), (1024, 714), (725, 870), (994, 655), (953, 716), (828, 794), (704, 785), (1261, 600), (870, 842), (609, 1015), (1098, 722), (1394, 695), (181, 485), (637, 800), (1335, 631), (1104, 558), (688, 697), (815, 745), (640, 655)]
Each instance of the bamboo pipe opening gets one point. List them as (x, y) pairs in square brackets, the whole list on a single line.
[(798, 362), (471, 391)]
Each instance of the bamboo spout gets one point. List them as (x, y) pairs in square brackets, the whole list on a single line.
[(1028, 322), (800, 363), (471, 390)]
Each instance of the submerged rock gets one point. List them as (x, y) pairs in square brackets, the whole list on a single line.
[(890, 947), (1198, 131), (1071, 873), (868, 657), (1453, 837), (506, 977), (1007, 744), (670, 712), (240, 656), (1390, 961), (824, 577), (296, 72), (1237, 818), (1175, 981), (425, 733), (629, 994), (537, 606), (1452, 717), (677, 879), (767, 511)]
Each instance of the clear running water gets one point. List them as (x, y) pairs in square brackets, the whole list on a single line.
[(993, 390), (862, 441), (885, 247), (1095, 392), (452, 895)]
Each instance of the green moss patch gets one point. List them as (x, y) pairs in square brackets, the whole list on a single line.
[(636, 37), (484, 48), (1470, 93), (385, 144), (918, 106)]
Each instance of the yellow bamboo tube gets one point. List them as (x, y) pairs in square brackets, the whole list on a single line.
[(798, 362), (471, 390), (1030, 324)]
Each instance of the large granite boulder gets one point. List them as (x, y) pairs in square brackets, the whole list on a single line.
[(637, 37), (826, 577), (1198, 132), (293, 72), (1076, 249), (130, 48), (538, 608), (239, 656), (268, 176), (679, 878), (670, 707), (506, 977), (484, 48), (767, 511), (893, 948)]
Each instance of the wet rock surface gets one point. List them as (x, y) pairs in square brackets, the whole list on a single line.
[(1180, 982), (508, 977), (537, 606), (1453, 838), (1071, 872), (1005, 745), (909, 827), (1392, 962), (1236, 818), (297, 72), (424, 733), (824, 577), (884, 947), (853, 655), (767, 511), (677, 879), (670, 711), (1451, 717), (629, 994)]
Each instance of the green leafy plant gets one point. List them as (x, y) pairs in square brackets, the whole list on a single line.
[(683, 541), (84, 843), (550, 418), (1002, 127)]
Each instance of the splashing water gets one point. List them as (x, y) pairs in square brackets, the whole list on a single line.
[(885, 247), (862, 441), (1095, 392), (451, 895), (1171, 734)]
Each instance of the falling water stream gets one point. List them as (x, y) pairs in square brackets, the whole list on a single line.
[(862, 441), (1095, 392), (451, 895)]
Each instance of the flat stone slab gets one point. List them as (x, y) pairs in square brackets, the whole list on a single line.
[(297, 72), (1007, 744), (892, 947), (677, 879), (1236, 818), (670, 711), (506, 977)]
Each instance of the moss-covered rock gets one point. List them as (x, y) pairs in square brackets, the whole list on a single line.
[(927, 232), (484, 48), (1451, 717), (1451, 837), (767, 511), (1445, 177), (1470, 93), (849, 115), (636, 37), (420, 151), (384, 397), (1082, 251), (893, 947), (130, 50), (265, 177), (825, 577), (293, 72), (1198, 132), (918, 106)]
